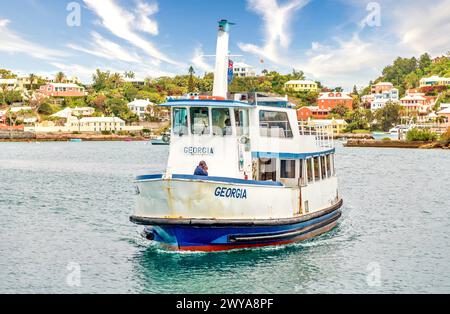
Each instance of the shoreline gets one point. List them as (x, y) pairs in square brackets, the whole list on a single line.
[(395, 144), (31, 137)]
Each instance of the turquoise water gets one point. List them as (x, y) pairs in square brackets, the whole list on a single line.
[(64, 204)]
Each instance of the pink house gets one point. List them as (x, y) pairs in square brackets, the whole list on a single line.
[(62, 90)]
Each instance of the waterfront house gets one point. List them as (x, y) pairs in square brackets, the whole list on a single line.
[(141, 107), (301, 86), (434, 81), (62, 90), (446, 114), (241, 69), (329, 101), (417, 105)]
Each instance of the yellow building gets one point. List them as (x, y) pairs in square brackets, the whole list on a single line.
[(301, 86), (434, 81)]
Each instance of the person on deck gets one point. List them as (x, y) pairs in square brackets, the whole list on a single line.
[(201, 170)]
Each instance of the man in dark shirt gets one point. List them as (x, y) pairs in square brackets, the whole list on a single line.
[(201, 170)]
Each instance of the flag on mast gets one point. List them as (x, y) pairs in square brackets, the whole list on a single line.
[(230, 71)]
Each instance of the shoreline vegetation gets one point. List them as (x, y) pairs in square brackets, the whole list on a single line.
[(66, 137)]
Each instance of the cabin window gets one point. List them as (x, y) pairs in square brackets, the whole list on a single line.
[(310, 168), (287, 169), (180, 121), (242, 119), (221, 121), (316, 168), (329, 170), (200, 121), (323, 167), (274, 124), (267, 169), (302, 172), (333, 168)]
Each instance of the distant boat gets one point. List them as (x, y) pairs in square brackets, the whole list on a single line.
[(162, 140), (75, 140)]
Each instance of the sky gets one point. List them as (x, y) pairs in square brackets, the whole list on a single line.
[(339, 42)]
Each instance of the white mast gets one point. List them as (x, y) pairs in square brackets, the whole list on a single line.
[(221, 72)]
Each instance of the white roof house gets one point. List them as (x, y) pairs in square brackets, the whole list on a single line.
[(242, 69), (140, 107), (65, 113), (78, 111)]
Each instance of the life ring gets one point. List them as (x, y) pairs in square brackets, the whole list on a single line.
[(166, 138)]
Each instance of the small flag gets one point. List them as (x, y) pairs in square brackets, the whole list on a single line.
[(230, 71)]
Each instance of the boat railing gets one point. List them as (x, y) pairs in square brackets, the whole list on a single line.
[(323, 134)]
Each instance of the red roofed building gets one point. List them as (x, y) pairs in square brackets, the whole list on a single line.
[(329, 101)]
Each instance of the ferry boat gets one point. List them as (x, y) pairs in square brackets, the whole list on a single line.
[(271, 181)]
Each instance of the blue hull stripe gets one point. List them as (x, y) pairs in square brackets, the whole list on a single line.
[(191, 236)]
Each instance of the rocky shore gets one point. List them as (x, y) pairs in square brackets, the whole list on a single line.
[(396, 144)]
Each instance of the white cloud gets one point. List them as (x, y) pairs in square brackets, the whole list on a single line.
[(11, 42), (346, 62), (277, 19), (144, 11), (107, 49), (198, 60), (122, 24), (421, 25)]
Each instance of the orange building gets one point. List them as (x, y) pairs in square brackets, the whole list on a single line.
[(313, 112), (328, 101)]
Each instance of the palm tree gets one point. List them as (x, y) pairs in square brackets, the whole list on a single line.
[(60, 77), (191, 86), (32, 79), (116, 79), (129, 74)]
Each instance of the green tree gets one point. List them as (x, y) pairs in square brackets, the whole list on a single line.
[(60, 77), (388, 117), (340, 110), (191, 84), (7, 74), (129, 74), (33, 79), (45, 109)]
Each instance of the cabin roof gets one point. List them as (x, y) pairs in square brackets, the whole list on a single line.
[(207, 103)]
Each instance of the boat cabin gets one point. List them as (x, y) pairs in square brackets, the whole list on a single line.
[(258, 140)]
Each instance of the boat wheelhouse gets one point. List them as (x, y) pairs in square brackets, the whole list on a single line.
[(271, 181)]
